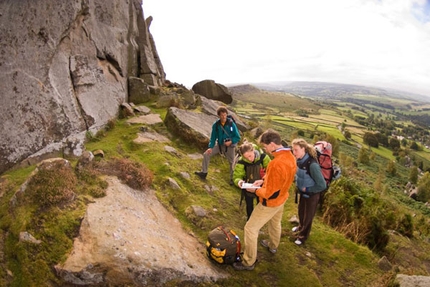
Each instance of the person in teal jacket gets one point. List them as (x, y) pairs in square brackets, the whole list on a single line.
[(250, 166), (309, 183), (224, 139)]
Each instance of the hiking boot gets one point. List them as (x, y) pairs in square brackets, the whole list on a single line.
[(201, 174), (265, 243), (295, 229), (240, 267)]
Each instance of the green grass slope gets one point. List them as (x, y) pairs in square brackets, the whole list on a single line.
[(329, 257)]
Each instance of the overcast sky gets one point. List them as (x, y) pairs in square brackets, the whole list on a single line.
[(376, 43)]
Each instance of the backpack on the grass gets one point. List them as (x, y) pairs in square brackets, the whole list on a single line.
[(223, 246)]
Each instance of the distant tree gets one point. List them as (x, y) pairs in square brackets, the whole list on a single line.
[(382, 139), (370, 139), (414, 146), (394, 143), (391, 167), (413, 174), (363, 156), (343, 126), (347, 134), (424, 188), (404, 142), (301, 133)]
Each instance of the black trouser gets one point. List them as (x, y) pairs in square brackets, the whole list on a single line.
[(307, 209), (249, 200)]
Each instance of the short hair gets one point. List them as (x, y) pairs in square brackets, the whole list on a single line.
[(221, 109), (271, 136)]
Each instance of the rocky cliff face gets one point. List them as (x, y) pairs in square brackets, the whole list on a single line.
[(64, 69)]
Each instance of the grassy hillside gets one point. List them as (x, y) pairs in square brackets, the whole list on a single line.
[(331, 256)]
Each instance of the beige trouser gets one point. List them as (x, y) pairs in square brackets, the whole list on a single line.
[(259, 217)]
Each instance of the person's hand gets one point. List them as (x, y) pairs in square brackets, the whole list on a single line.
[(208, 151), (228, 143), (258, 182), (240, 183)]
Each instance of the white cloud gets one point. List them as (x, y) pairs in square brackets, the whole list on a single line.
[(371, 42)]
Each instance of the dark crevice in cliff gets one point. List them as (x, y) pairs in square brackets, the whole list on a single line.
[(89, 121)]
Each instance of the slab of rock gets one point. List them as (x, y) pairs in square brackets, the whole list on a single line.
[(193, 127), (150, 119), (129, 238), (147, 137), (413, 281)]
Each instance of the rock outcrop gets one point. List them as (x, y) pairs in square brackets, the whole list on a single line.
[(213, 91), (129, 239), (210, 107), (64, 69), (195, 128)]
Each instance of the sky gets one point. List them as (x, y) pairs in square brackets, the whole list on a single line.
[(383, 43)]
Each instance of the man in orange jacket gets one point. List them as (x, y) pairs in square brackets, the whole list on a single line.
[(272, 194)]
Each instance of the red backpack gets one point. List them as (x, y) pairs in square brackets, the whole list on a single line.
[(324, 152)]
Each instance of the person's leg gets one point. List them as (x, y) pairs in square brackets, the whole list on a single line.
[(259, 217), (249, 205), (230, 154), (275, 227), (310, 208), (207, 158), (301, 211)]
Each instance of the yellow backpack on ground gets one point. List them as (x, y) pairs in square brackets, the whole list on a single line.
[(223, 246)]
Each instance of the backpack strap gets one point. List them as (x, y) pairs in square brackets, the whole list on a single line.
[(307, 165), (229, 121)]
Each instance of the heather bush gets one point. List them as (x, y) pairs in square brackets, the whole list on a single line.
[(362, 214), (134, 174), (52, 186)]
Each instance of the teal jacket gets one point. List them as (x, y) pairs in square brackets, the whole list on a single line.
[(219, 135)]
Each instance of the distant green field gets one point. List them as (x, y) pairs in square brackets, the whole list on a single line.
[(282, 110)]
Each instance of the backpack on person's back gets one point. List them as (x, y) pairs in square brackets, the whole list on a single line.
[(329, 171)]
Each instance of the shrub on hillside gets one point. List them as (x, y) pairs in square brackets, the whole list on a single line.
[(92, 183), (134, 174), (362, 215), (424, 188), (370, 139), (52, 186)]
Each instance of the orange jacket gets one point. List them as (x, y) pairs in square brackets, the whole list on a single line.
[(279, 178)]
